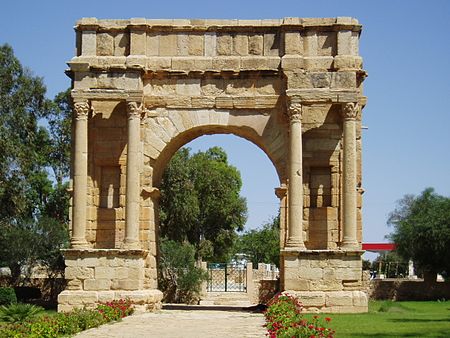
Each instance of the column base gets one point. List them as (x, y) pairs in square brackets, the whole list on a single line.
[(325, 280), (350, 245), (131, 245), (79, 242), (295, 245)]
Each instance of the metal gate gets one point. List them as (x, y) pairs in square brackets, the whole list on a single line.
[(224, 277)]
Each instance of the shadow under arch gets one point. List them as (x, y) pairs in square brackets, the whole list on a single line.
[(190, 134)]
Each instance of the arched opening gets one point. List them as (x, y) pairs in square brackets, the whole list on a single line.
[(259, 178), (183, 138)]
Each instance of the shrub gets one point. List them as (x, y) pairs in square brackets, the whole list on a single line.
[(7, 296), (17, 313), (285, 320), (179, 279)]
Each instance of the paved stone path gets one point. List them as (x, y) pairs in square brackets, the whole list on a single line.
[(184, 324)]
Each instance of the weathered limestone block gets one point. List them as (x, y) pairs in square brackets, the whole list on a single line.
[(88, 43), (168, 44), (224, 44), (271, 44), (210, 44), (230, 63), (255, 44), (293, 43), (158, 63), (344, 43), (213, 87), (121, 44), (183, 44), (298, 79), (104, 272), (320, 79), (318, 62), (152, 45), (240, 44), (310, 299), (196, 44), (79, 272), (292, 63), (339, 298), (326, 43), (96, 284), (105, 44), (344, 79), (189, 87)]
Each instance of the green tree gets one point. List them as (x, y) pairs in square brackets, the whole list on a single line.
[(179, 278), (200, 202), (261, 245), (59, 121), (33, 209), (422, 231)]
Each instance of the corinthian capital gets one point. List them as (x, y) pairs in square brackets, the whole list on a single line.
[(295, 111), (81, 109), (350, 110), (134, 109)]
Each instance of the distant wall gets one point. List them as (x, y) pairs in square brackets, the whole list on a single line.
[(408, 290)]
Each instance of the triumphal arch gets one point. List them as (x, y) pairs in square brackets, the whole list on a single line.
[(144, 88)]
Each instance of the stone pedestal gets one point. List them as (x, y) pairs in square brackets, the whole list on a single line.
[(325, 280), (99, 275)]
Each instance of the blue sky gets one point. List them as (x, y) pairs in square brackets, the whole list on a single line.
[(406, 51)]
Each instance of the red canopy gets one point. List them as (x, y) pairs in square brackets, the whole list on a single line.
[(377, 247)]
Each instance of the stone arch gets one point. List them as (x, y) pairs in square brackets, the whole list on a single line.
[(164, 135)]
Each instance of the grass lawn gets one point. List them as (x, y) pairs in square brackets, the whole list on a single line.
[(395, 319)]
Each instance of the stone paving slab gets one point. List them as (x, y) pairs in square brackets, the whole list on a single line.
[(184, 324)]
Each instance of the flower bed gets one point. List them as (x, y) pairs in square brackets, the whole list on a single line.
[(285, 320), (65, 324)]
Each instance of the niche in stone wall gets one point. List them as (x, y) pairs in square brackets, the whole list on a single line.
[(108, 211), (320, 203), (109, 187), (320, 187)]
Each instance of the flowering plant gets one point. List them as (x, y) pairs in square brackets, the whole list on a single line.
[(66, 324), (285, 320), (116, 309)]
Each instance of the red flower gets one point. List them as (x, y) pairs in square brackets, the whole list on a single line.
[(328, 319)]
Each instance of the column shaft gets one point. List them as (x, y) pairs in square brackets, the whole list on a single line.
[(295, 191), (350, 111), (132, 201), (80, 158)]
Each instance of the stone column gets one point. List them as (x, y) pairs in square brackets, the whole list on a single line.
[(281, 193), (295, 186), (132, 198), (80, 169), (349, 111)]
